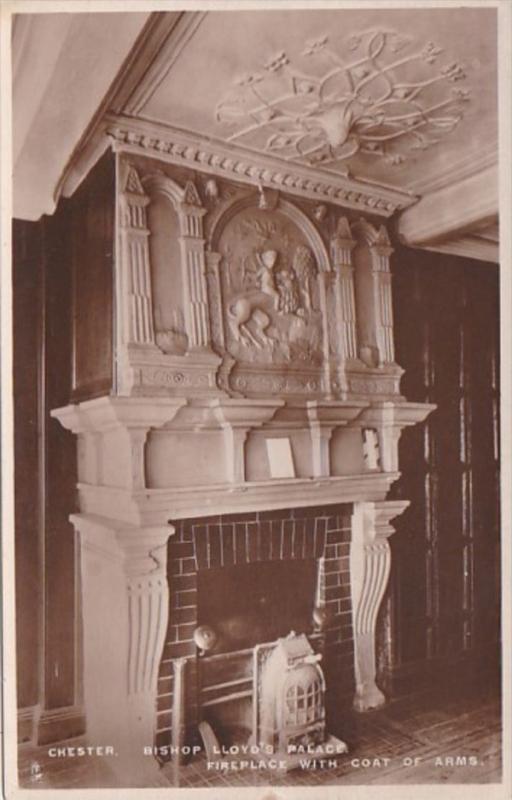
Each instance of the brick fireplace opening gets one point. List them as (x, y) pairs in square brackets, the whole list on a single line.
[(252, 578)]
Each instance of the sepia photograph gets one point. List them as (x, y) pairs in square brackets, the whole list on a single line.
[(253, 317)]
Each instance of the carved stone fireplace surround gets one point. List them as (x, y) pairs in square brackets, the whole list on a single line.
[(247, 356)]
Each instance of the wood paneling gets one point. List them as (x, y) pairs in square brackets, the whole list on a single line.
[(27, 325), (445, 591), (92, 210), (62, 331), (59, 469)]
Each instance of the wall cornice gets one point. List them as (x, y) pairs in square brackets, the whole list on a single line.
[(452, 211), (473, 246)]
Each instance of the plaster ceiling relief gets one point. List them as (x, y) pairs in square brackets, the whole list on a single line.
[(391, 96), (380, 94)]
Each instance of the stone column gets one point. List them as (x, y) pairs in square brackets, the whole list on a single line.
[(215, 296), (137, 318), (370, 563), (125, 613), (342, 245), (325, 283), (383, 303), (193, 259)]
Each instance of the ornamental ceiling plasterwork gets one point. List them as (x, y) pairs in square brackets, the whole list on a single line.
[(380, 94)]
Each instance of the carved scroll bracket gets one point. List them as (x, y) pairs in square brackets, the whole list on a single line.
[(370, 562), (125, 612)]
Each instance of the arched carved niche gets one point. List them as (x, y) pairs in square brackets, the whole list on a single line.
[(285, 207), (372, 279), (270, 264), (187, 204), (165, 258)]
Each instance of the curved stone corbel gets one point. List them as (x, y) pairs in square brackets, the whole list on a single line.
[(125, 600), (370, 562)]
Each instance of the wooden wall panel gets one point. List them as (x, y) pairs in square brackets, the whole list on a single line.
[(443, 601), (27, 322), (92, 211), (62, 282), (59, 469)]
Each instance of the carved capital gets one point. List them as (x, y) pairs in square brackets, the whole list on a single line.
[(342, 244)]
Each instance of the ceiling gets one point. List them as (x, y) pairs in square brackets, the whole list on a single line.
[(388, 96), (261, 87)]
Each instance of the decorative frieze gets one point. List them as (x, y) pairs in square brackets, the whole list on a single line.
[(252, 382)]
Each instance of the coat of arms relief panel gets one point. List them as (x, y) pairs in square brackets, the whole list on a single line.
[(271, 301)]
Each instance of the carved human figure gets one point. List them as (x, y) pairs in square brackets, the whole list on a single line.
[(289, 296), (265, 274), (305, 269)]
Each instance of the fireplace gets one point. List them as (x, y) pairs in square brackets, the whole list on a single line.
[(256, 602), (250, 442), (251, 579)]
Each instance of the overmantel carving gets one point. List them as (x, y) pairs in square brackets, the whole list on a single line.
[(272, 305), (263, 306)]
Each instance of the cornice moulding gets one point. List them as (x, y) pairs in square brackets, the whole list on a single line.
[(468, 247), (154, 35), (168, 39), (458, 171), (452, 211), (163, 142)]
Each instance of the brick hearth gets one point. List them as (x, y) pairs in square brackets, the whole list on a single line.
[(221, 541)]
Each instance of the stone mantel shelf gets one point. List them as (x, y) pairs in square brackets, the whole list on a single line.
[(175, 413), (152, 507), (104, 413)]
